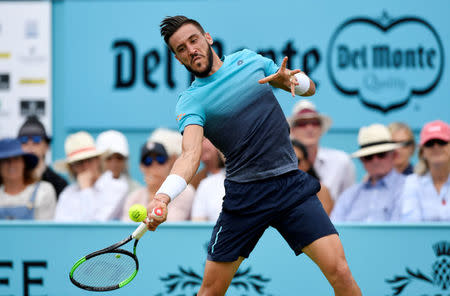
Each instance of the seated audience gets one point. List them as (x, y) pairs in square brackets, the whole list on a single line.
[(34, 139), (426, 194), (303, 164), (114, 146), (402, 134), (157, 158), (22, 196), (334, 167), (94, 196), (210, 192), (377, 198)]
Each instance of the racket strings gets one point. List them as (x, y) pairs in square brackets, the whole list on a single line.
[(105, 270)]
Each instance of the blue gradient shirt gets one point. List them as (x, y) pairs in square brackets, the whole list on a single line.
[(241, 117)]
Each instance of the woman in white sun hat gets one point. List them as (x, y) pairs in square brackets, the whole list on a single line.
[(95, 196), (114, 145)]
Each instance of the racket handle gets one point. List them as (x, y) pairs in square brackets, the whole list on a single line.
[(142, 228)]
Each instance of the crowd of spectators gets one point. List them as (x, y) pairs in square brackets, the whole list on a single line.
[(92, 183)]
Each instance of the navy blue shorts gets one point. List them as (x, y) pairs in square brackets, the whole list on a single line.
[(287, 202)]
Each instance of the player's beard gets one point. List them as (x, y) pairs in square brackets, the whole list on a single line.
[(203, 74)]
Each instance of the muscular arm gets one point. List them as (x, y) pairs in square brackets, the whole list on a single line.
[(188, 162)]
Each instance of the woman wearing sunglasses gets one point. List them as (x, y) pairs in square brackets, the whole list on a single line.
[(426, 194), (157, 158), (34, 139)]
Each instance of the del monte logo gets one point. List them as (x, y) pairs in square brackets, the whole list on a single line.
[(385, 62)]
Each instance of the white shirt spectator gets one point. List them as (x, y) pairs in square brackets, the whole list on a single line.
[(209, 197), (336, 170), (44, 203), (421, 201), (102, 202)]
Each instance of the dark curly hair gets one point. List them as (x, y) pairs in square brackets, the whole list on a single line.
[(171, 24)]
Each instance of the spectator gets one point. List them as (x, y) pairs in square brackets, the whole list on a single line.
[(21, 195), (94, 196), (210, 165), (209, 195), (334, 167), (303, 164), (426, 194), (377, 198), (157, 158), (114, 146), (34, 139), (402, 134)]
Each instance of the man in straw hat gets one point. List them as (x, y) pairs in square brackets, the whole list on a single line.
[(94, 196), (376, 199), (334, 167)]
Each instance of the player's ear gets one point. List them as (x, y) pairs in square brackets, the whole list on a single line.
[(209, 39)]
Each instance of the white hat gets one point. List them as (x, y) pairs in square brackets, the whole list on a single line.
[(374, 139), (170, 139), (305, 109), (111, 142), (78, 146)]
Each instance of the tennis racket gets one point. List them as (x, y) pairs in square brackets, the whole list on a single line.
[(109, 268)]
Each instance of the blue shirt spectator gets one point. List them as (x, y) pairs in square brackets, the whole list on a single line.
[(367, 202), (426, 195), (377, 199), (421, 201)]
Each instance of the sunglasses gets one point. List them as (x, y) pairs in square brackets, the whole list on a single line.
[(148, 160), (431, 143), (406, 143), (35, 139), (303, 123), (380, 155)]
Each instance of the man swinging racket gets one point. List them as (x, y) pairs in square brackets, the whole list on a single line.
[(232, 105)]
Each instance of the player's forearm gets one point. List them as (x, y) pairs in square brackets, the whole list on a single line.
[(186, 165)]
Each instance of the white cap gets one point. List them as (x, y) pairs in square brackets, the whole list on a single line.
[(111, 142)]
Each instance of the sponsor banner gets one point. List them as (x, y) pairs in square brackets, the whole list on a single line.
[(389, 260), (382, 63), (25, 64)]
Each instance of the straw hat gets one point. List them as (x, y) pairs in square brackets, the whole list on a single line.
[(374, 139), (78, 146), (305, 109), (111, 142)]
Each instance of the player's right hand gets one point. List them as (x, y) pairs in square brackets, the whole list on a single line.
[(153, 221)]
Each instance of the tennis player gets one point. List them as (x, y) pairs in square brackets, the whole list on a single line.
[(232, 104)]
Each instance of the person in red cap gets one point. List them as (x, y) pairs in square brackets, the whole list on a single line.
[(426, 194)]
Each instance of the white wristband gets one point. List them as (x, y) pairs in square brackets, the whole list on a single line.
[(172, 186), (303, 83)]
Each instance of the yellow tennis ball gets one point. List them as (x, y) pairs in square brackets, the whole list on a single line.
[(137, 213)]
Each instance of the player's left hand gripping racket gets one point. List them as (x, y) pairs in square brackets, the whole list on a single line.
[(109, 268)]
